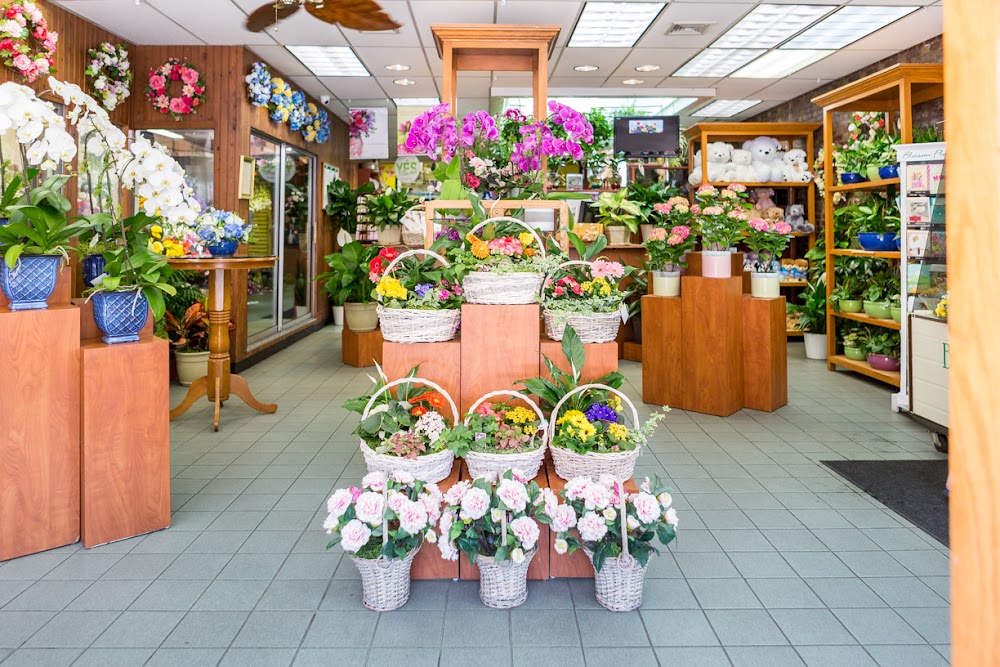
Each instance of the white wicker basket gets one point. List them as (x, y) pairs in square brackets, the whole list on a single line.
[(430, 468), (504, 585), (486, 287), (415, 227), (385, 581), (591, 327), (410, 325), (481, 463), (569, 464), (619, 582)]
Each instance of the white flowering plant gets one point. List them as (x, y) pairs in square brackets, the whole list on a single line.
[(593, 509), (476, 516), (110, 73), (388, 515)]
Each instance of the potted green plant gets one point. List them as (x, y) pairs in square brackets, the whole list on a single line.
[(342, 204), (883, 351), (844, 298), (619, 215), (895, 307), (812, 318), (386, 211), (881, 287), (854, 344), (349, 282), (189, 339), (648, 196)]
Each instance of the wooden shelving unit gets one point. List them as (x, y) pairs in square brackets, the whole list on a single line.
[(894, 90), (702, 134)]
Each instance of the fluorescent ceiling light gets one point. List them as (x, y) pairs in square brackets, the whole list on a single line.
[(397, 68), (647, 68), (651, 106), (724, 108), (586, 68), (166, 134), (329, 60), (717, 62), (416, 101), (403, 82), (769, 25), (847, 26), (780, 62), (613, 24), (633, 82)]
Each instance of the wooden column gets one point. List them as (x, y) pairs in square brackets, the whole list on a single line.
[(439, 362), (601, 358), (972, 101), (500, 345), (712, 344), (361, 349), (428, 564), (40, 445), (125, 439), (662, 372), (765, 354)]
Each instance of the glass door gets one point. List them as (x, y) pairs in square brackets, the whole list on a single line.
[(297, 236), (265, 216)]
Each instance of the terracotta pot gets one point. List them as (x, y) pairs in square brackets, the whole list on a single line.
[(191, 366), (361, 317)]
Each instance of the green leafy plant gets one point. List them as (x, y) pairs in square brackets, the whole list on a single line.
[(926, 135), (342, 203), (846, 289), (857, 339), (39, 225), (812, 310), (347, 279), (189, 333), (551, 388), (887, 343), (615, 209), (881, 286), (648, 195), (387, 209)]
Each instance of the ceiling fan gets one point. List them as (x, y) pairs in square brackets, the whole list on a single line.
[(353, 14)]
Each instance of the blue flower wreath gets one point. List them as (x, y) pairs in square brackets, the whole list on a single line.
[(281, 100), (297, 118), (259, 84)]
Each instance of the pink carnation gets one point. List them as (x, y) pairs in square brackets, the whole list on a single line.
[(505, 246), (657, 234), (602, 268)]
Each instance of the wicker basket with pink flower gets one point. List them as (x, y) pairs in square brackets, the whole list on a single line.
[(424, 306), (584, 294)]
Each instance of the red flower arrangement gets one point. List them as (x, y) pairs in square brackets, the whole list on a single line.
[(26, 45), (192, 91), (377, 266)]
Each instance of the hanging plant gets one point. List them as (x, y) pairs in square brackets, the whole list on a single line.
[(111, 74), (259, 84), (192, 90), (26, 45)]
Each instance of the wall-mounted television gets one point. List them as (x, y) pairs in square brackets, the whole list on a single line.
[(647, 136)]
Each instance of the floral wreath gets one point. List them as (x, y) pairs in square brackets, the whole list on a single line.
[(109, 68), (21, 24), (259, 84), (297, 117), (280, 103), (192, 92), (317, 127)]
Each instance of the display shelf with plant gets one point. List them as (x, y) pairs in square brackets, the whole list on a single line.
[(619, 215), (350, 281), (386, 211), (812, 314), (883, 351), (188, 337), (342, 203), (846, 295), (648, 196)]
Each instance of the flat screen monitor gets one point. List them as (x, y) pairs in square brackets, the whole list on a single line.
[(647, 136)]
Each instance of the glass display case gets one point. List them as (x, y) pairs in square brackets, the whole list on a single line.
[(925, 347)]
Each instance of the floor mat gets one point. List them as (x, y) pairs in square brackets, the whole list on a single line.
[(914, 489)]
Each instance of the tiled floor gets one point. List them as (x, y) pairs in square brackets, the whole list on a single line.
[(778, 562)]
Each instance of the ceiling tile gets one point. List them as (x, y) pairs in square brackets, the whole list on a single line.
[(376, 58), (910, 30), (669, 60), (532, 12), (281, 59), (577, 81), (404, 36), (422, 86), (352, 87), (786, 89), (721, 15), (840, 64), (131, 21), (735, 89), (218, 23), (647, 82), (432, 12), (607, 59)]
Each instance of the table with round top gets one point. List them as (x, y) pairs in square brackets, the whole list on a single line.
[(219, 382)]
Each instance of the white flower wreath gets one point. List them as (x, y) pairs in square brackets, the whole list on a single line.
[(111, 74)]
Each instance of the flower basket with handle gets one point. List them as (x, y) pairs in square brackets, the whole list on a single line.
[(430, 468), (418, 325), (592, 327), (414, 226), (504, 287), (527, 460)]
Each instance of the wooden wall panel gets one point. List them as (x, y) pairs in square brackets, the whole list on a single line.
[(495, 357)]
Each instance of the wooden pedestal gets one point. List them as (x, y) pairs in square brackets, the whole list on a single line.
[(125, 439), (500, 345), (539, 568), (439, 362), (40, 445), (62, 293), (632, 351), (428, 564), (601, 359), (662, 371), (765, 360), (361, 349), (712, 344)]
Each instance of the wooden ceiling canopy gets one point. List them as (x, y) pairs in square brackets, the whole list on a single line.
[(501, 48)]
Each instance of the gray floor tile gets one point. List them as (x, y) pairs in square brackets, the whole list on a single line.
[(11, 588), (196, 566), (206, 629), (551, 594), (907, 656), (165, 542), (258, 657), (402, 629), (661, 594), (18, 626), (794, 539), (218, 542), (47, 596), (878, 626), (308, 566), (763, 656), (109, 595), (933, 624), (537, 627), (846, 539), (695, 657), (784, 593), (805, 627), (847, 593), (835, 656), (905, 592), (72, 629), (341, 629), (694, 541), (760, 565), (477, 627), (817, 564), (139, 566), (632, 656), (872, 564), (253, 566), (347, 594), (84, 566), (113, 657), (42, 657), (598, 628), (274, 629), (923, 563), (724, 594), (745, 627), (705, 565), (270, 542), (678, 628), (325, 657), (139, 629), (742, 540), (189, 657), (420, 657), (533, 656), (170, 595)]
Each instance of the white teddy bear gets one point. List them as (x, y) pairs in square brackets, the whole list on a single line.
[(796, 169), (740, 168), (718, 159), (694, 178), (764, 150)]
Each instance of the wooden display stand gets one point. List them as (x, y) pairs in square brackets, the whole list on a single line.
[(40, 447), (601, 359), (765, 354), (125, 439), (428, 564), (500, 345), (362, 349), (439, 362), (712, 344), (662, 375)]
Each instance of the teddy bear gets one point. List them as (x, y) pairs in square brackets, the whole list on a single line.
[(796, 169), (694, 178), (740, 169), (763, 198), (774, 214), (763, 150), (802, 269), (796, 219), (787, 268)]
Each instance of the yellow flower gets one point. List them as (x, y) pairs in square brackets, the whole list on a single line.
[(480, 250), (520, 415), (570, 416), (615, 403), (587, 431), (391, 288), (526, 239), (587, 287), (618, 432), (157, 247), (156, 231), (530, 429)]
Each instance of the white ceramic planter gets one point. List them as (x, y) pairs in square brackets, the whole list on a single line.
[(765, 285), (191, 366), (338, 316), (390, 235), (645, 229), (815, 346), (361, 317), (667, 283), (617, 234), (716, 264)]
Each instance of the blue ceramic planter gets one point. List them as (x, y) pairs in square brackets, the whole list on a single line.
[(889, 171), (4, 221), (30, 283), (850, 178), (224, 248), (878, 242), (93, 266), (120, 315)]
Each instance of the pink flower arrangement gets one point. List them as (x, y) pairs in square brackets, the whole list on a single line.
[(662, 207), (23, 24), (736, 187), (713, 210), (506, 245), (721, 218), (768, 240), (667, 250), (192, 90), (657, 234), (602, 268)]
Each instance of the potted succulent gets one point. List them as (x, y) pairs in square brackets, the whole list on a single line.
[(386, 211), (222, 231), (189, 339), (854, 345), (812, 319), (883, 351), (619, 215), (844, 297), (342, 204), (350, 279), (382, 526)]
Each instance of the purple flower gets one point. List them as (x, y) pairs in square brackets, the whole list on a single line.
[(422, 289), (600, 412), (445, 294)]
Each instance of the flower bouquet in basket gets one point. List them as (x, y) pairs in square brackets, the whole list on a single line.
[(585, 295), (402, 432), (423, 306), (491, 521), (616, 530), (382, 526), (500, 435)]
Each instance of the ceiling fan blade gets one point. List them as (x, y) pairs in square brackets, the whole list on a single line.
[(264, 16), (354, 14)]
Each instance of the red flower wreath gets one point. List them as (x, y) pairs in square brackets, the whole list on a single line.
[(192, 92), (26, 45)]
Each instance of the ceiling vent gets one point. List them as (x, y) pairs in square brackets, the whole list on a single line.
[(688, 29)]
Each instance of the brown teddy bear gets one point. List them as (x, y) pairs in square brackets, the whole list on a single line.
[(774, 214)]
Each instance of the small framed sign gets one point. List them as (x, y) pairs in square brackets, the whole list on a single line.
[(247, 173), (574, 181)]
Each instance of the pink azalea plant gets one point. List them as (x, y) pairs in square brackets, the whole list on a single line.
[(667, 247), (721, 215), (26, 44), (768, 239), (192, 88)]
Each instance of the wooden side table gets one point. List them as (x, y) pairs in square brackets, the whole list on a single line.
[(219, 382)]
